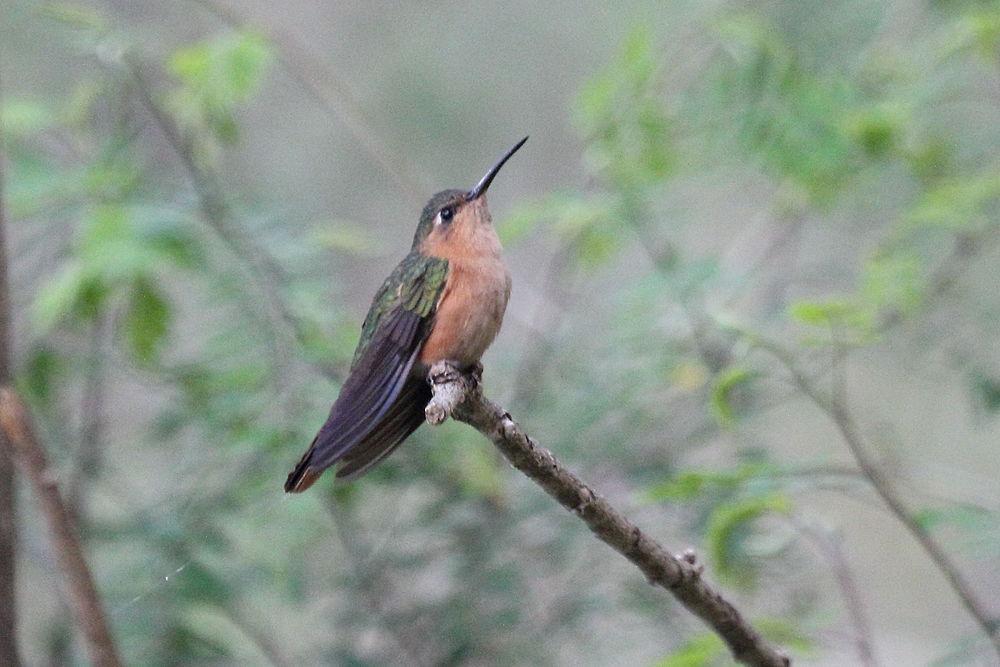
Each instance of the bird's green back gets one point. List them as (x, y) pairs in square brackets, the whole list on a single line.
[(415, 284)]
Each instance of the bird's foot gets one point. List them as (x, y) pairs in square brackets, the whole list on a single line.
[(443, 372), (450, 384)]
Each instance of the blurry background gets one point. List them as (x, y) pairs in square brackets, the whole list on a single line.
[(739, 233)]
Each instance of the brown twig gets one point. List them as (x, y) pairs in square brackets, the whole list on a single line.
[(83, 596), (8, 506), (459, 396)]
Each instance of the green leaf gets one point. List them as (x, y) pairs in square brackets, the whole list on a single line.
[(977, 32), (41, 374), (960, 516), (893, 281), (21, 118), (831, 313), (147, 320), (878, 131), (725, 384), (623, 119), (691, 484), (215, 76), (57, 296), (705, 649), (729, 526), (958, 204), (787, 116), (73, 293), (986, 390)]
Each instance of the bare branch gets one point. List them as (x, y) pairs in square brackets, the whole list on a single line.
[(459, 395), (8, 505), (83, 596), (836, 408)]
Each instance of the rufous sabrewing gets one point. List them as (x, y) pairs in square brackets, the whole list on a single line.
[(444, 302)]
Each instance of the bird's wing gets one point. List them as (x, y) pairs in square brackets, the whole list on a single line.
[(365, 416), (403, 418)]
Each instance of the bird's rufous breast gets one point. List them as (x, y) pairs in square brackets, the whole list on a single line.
[(471, 308)]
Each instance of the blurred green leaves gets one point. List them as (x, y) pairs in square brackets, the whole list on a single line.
[(214, 77), (795, 121), (729, 527), (621, 115), (692, 484), (119, 258), (723, 388), (20, 118), (629, 150), (732, 501), (959, 204), (147, 320)]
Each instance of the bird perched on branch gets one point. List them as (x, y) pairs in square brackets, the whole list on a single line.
[(445, 301)]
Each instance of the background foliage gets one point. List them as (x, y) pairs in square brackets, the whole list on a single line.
[(729, 218)]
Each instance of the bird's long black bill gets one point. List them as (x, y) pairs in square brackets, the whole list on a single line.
[(483, 185)]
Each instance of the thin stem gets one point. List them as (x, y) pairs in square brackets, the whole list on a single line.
[(829, 548), (90, 450)]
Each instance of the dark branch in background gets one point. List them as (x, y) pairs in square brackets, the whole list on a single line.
[(8, 506), (329, 89), (82, 593), (460, 396), (90, 452), (836, 408)]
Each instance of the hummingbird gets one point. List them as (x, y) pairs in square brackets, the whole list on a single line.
[(444, 301)]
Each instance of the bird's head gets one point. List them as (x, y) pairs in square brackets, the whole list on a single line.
[(454, 214)]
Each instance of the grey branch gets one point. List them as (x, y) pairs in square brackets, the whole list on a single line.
[(835, 406), (82, 593), (458, 395)]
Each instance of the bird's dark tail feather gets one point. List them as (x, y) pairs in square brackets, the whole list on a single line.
[(303, 474), (383, 436)]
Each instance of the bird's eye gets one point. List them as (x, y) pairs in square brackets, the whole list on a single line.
[(447, 213)]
